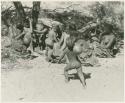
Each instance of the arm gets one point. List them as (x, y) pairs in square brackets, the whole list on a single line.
[(61, 40), (110, 43), (78, 57), (62, 56), (40, 32), (31, 28), (54, 37), (19, 36)]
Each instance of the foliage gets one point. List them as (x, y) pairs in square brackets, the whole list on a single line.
[(103, 12)]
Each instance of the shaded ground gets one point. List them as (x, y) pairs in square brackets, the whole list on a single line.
[(37, 80)]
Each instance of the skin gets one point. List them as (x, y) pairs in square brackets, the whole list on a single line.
[(21, 34), (40, 31), (63, 40), (60, 45), (74, 62), (51, 39), (4, 30), (107, 41), (27, 35)]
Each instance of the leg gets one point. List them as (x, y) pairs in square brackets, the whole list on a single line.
[(43, 44), (66, 73), (39, 43), (46, 52), (43, 38), (50, 53), (66, 69), (31, 47), (81, 76)]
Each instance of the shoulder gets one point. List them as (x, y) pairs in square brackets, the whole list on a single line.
[(66, 50), (112, 36), (51, 32)]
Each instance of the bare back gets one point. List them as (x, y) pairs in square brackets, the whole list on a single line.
[(73, 58), (52, 35), (51, 38)]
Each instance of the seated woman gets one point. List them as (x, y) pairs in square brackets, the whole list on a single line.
[(61, 45), (24, 34), (108, 40), (50, 41)]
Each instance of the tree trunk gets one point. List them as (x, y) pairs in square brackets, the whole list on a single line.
[(20, 11), (35, 12)]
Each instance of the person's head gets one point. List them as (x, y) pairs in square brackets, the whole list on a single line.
[(26, 23), (74, 39), (20, 28), (108, 27), (70, 42), (4, 30), (57, 30), (39, 26), (80, 46), (70, 27), (55, 27)]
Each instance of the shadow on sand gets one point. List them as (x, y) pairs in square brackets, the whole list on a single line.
[(74, 76)]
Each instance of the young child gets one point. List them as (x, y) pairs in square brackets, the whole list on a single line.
[(40, 32), (51, 39), (27, 31), (73, 50)]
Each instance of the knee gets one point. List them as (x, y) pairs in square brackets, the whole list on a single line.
[(79, 70), (66, 69)]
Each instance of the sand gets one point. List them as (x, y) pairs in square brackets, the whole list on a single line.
[(38, 81)]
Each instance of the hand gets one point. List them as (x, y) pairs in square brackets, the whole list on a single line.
[(30, 19), (58, 61)]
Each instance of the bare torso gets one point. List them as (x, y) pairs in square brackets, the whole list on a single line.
[(73, 58), (51, 38)]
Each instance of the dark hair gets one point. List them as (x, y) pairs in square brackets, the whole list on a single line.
[(70, 27), (26, 23), (59, 32), (109, 27), (70, 42), (20, 26), (74, 37)]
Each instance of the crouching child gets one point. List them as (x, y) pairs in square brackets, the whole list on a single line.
[(73, 50)]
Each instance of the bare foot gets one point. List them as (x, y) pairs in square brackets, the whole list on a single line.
[(84, 86), (67, 80)]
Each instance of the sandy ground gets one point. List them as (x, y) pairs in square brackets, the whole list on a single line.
[(36, 80)]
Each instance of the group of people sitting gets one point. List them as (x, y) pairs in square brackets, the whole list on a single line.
[(60, 45), (41, 38)]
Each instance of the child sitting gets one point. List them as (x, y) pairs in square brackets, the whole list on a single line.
[(40, 34)]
